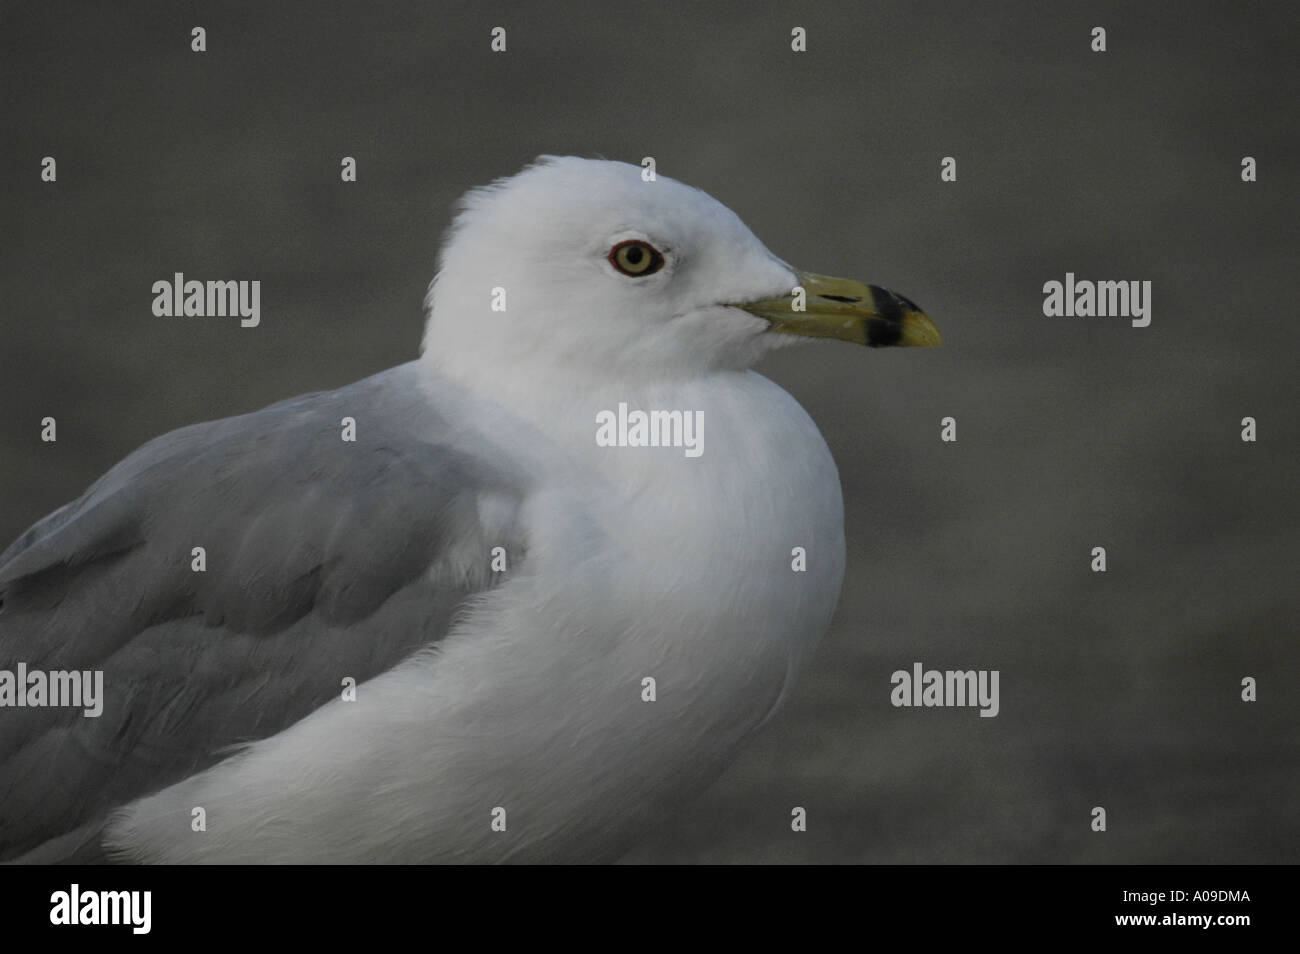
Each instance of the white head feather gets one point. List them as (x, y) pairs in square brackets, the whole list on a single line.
[(544, 237)]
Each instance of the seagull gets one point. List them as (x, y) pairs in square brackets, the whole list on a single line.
[(432, 616)]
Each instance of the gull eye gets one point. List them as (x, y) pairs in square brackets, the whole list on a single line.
[(635, 258)]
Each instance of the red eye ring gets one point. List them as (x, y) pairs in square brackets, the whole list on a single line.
[(635, 258)]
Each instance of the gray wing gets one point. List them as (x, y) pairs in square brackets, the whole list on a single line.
[(325, 559)]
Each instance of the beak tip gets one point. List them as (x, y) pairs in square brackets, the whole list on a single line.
[(919, 331)]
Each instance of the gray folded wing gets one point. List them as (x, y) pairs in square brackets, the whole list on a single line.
[(325, 559)]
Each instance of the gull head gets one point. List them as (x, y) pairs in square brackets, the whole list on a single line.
[(587, 267)]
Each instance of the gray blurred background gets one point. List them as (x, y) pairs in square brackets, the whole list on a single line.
[(1119, 689)]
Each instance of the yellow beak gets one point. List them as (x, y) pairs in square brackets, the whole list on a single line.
[(848, 310)]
